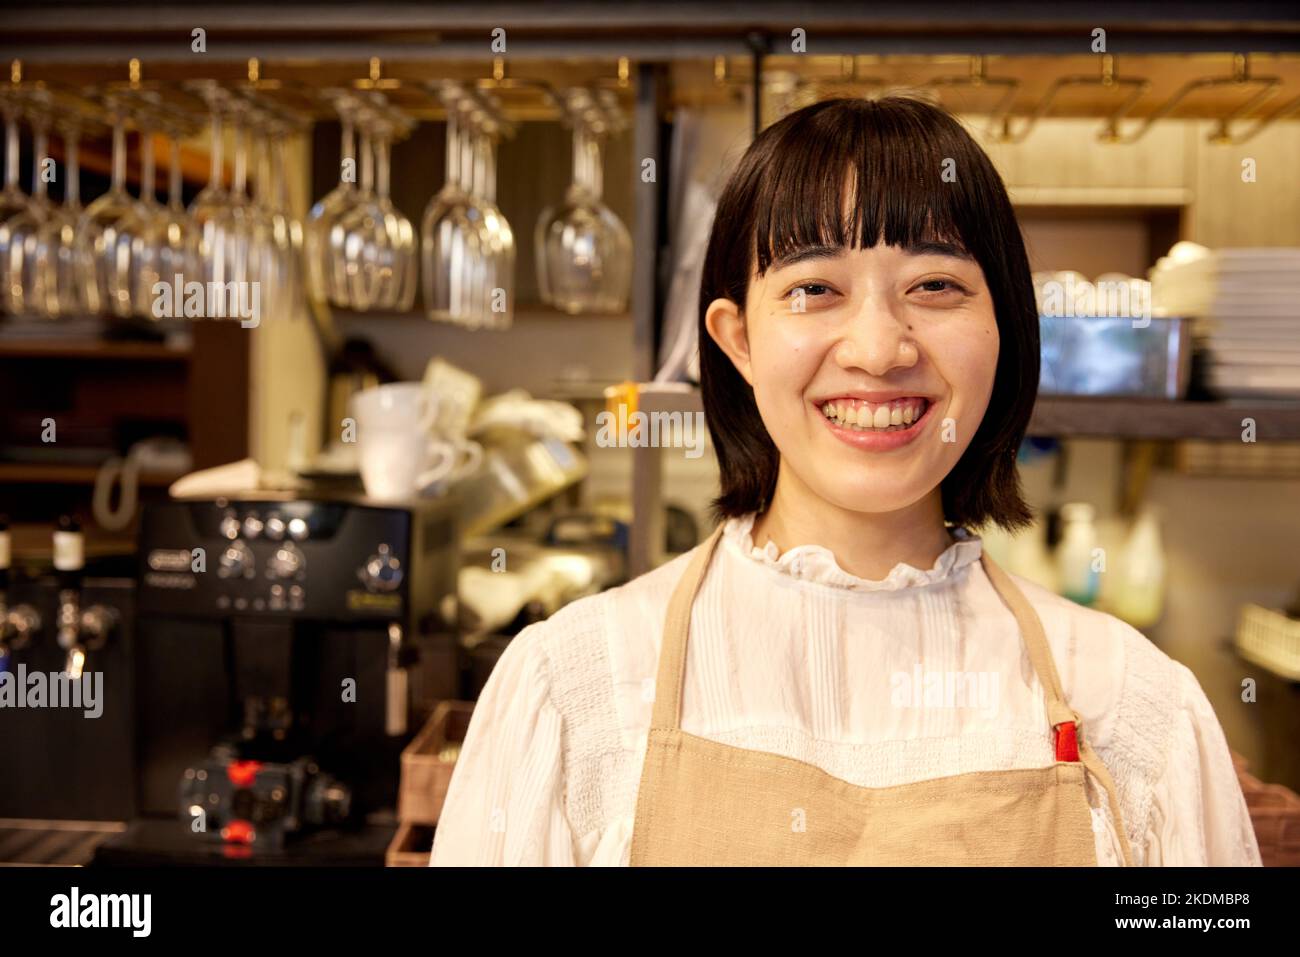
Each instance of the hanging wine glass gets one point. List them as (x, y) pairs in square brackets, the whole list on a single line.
[(452, 239), (379, 242), (347, 235), (262, 260), (583, 249), (271, 232), (343, 264), (169, 251), (13, 200), (97, 230), (615, 280), (326, 282), (294, 238), (18, 234), (498, 307), (232, 226), (209, 206), (400, 229), (273, 198), (240, 268), (127, 292), (61, 261)]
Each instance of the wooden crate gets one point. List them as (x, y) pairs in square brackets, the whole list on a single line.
[(1275, 814), (410, 846), (426, 774)]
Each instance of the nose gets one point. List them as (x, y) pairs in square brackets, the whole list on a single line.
[(876, 341)]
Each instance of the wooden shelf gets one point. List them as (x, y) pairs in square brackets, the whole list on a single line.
[(101, 349), (1088, 417), (1102, 197), (56, 474), (33, 542)]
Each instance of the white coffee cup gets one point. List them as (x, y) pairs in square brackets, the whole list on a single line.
[(399, 456), (396, 405)]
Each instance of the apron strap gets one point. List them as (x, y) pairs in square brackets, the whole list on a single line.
[(1093, 763), (1031, 632), (672, 656)]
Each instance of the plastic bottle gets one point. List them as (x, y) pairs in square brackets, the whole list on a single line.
[(1075, 556), (1141, 593)]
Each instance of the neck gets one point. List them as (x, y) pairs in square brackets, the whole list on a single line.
[(865, 544)]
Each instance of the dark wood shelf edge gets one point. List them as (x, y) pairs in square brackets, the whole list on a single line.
[(1106, 418), (92, 349), (55, 474)]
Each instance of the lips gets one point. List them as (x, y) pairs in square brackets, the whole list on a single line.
[(901, 418)]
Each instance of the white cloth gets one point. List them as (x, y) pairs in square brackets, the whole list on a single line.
[(790, 654)]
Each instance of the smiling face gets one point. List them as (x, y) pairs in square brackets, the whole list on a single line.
[(868, 333), (871, 368)]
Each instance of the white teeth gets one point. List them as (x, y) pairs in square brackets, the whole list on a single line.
[(859, 418)]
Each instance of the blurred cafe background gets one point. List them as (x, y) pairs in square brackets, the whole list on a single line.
[(454, 237)]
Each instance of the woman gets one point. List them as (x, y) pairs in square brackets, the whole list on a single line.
[(839, 675)]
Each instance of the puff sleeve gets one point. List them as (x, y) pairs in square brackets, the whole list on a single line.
[(1198, 812), (505, 802)]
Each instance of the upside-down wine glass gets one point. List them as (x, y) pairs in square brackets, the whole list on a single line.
[(170, 246), (128, 294), (97, 230), (328, 284), (452, 240), (61, 262), (583, 249), (18, 246)]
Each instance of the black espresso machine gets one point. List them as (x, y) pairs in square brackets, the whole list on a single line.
[(286, 651)]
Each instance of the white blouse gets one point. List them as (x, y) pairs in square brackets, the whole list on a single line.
[(790, 654)]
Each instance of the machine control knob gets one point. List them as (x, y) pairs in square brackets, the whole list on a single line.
[(230, 526), (274, 528), (382, 571), (252, 525), (236, 561), (286, 562)]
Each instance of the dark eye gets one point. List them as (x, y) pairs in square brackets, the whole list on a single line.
[(938, 285), (809, 289)]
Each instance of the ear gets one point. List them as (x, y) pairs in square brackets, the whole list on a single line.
[(726, 325)]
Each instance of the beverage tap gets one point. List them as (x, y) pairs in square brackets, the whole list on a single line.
[(79, 630), (19, 624)]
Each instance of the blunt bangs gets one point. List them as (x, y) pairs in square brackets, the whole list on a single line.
[(871, 181)]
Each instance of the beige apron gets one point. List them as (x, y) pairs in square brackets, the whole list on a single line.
[(705, 803)]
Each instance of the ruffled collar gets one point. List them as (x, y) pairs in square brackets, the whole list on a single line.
[(815, 563)]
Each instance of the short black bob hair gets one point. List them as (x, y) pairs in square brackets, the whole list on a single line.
[(787, 193)]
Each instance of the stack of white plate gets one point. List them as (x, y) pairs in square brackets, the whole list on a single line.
[(1245, 304)]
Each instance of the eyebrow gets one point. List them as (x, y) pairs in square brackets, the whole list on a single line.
[(805, 253), (938, 249)]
